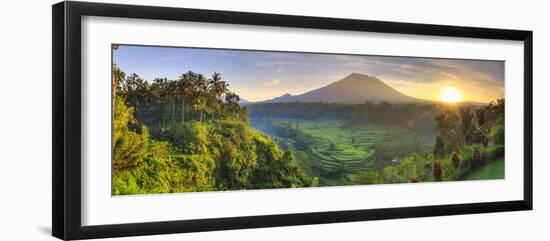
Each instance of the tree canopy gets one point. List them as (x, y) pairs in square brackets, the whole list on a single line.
[(191, 134)]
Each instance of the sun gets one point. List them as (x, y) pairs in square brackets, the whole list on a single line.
[(450, 94)]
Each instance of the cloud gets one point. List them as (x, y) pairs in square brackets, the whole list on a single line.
[(272, 82), (269, 74)]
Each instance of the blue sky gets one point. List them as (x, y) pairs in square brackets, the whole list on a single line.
[(261, 75)]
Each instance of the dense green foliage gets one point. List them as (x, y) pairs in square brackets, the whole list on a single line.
[(423, 143), (191, 134), (203, 144), (468, 146), (413, 115), (420, 167), (190, 97)]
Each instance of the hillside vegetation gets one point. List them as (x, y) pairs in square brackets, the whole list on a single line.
[(376, 143), (180, 136), (191, 134)]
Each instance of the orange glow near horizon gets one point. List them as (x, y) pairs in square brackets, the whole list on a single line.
[(450, 94)]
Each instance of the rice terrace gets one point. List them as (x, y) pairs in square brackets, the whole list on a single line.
[(193, 120), (340, 148)]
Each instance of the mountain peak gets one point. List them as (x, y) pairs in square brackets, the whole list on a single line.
[(360, 82), (354, 88), (281, 98), (357, 75)]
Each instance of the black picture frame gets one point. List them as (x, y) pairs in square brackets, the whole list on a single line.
[(66, 128)]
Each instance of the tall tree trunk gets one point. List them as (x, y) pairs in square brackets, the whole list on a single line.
[(174, 108), (200, 117), (114, 87), (182, 109), (114, 98)]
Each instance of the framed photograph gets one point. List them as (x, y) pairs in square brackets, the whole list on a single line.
[(169, 120)]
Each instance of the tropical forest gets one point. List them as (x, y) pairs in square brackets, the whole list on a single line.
[(196, 133)]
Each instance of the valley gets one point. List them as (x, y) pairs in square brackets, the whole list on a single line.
[(197, 133), (333, 148), (359, 126)]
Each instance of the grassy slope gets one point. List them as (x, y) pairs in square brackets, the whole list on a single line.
[(356, 154), (494, 170)]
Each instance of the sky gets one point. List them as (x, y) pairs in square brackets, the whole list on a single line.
[(262, 75)]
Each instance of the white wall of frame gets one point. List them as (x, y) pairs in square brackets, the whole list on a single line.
[(99, 207), (25, 101)]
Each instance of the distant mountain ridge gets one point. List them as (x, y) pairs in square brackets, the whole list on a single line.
[(244, 102), (355, 88)]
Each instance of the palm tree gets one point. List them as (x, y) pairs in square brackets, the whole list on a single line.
[(117, 74), (220, 87), (184, 88), (200, 92), (466, 121), (216, 88), (200, 106), (482, 129), (159, 91), (171, 91), (118, 77), (450, 131)]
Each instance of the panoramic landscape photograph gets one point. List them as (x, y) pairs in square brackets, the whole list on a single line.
[(203, 119)]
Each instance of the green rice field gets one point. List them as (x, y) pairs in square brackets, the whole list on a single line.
[(336, 145)]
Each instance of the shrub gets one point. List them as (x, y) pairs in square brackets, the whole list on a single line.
[(456, 159), (437, 171), (366, 177), (476, 158), (492, 153), (498, 132), (449, 171)]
